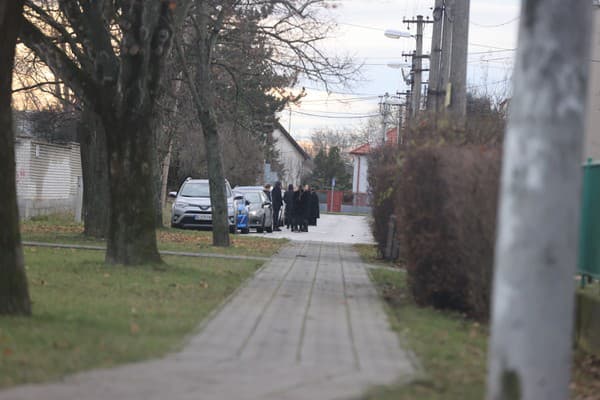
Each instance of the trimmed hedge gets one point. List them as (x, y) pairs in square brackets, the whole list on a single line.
[(447, 207), (384, 179)]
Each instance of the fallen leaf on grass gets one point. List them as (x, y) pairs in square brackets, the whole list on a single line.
[(7, 352), (134, 328), (60, 344), (203, 285)]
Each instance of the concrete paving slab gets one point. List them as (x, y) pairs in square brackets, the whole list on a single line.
[(309, 325)]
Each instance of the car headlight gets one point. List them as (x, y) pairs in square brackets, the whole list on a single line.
[(181, 204), (253, 213)]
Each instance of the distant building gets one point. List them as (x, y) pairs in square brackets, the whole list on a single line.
[(296, 163), (360, 161), (48, 175)]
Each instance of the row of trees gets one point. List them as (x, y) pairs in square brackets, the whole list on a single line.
[(130, 67)]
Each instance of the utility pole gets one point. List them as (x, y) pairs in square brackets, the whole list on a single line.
[(417, 64), (537, 238), (458, 63), (384, 110), (433, 92), (445, 56)]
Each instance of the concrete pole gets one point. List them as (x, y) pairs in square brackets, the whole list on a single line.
[(446, 54), (458, 67), (418, 69), (537, 238), (435, 57)]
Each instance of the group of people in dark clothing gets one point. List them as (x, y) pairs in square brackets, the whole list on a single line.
[(301, 207)]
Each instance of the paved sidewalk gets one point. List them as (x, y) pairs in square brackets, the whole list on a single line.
[(308, 326)]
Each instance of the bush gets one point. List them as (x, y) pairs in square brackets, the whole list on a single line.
[(384, 177), (447, 217)]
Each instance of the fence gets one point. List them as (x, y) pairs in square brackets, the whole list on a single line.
[(344, 201)]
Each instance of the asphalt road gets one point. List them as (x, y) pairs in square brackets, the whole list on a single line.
[(331, 228)]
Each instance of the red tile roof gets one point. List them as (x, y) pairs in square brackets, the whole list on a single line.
[(391, 138)]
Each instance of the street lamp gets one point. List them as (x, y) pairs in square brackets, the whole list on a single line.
[(396, 34)]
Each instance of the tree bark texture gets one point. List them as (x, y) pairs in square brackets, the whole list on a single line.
[(94, 165), (216, 176), (132, 234), (14, 294), (538, 219)]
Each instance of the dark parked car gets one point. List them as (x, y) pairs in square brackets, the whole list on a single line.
[(260, 213)]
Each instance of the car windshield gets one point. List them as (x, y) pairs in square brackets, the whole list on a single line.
[(253, 197), (195, 189)]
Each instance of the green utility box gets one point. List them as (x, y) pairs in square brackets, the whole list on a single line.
[(589, 240)]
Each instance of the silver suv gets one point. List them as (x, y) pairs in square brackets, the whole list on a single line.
[(191, 208)]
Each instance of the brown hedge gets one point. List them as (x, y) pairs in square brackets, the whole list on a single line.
[(447, 206), (383, 177)]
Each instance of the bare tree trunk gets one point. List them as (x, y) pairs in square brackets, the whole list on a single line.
[(536, 248), (166, 164), (132, 235), (216, 177), (202, 93), (14, 294), (94, 165)]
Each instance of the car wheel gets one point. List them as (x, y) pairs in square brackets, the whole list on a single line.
[(232, 229), (261, 229), (245, 230)]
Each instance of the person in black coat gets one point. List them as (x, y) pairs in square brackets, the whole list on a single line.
[(288, 199), (313, 208), (277, 202), (304, 211), (299, 214)]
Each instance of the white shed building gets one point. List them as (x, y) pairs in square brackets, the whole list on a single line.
[(49, 178)]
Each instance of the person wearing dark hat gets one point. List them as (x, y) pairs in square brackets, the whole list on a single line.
[(288, 199), (277, 201), (314, 212)]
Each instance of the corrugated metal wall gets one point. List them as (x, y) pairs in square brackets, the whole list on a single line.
[(47, 176)]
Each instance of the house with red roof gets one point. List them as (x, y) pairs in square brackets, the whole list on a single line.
[(360, 160)]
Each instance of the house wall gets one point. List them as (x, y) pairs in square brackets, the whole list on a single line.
[(293, 162), (49, 178), (360, 184), (592, 136)]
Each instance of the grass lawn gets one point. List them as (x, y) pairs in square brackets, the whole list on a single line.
[(88, 315), (453, 350), (62, 229)]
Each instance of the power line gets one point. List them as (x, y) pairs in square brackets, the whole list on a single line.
[(489, 84), (496, 25), (488, 46), (335, 117), (490, 51)]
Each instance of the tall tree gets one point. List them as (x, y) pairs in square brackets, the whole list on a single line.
[(328, 165), (112, 57), (14, 295)]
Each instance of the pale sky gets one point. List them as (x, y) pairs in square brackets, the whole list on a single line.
[(361, 23)]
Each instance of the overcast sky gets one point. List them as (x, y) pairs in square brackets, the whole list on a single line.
[(361, 23)]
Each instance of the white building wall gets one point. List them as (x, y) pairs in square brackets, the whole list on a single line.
[(293, 162), (48, 177), (360, 184)]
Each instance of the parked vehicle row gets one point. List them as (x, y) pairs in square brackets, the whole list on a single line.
[(248, 207)]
